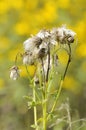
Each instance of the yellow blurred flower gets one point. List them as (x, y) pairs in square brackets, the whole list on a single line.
[(48, 13), (17, 4), (63, 3), (4, 43), (22, 27), (30, 5), (13, 52), (63, 57), (80, 29), (4, 7), (71, 84), (81, 50), (31, 71)]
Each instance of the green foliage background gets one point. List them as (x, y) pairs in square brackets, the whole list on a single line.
[(18, 20)]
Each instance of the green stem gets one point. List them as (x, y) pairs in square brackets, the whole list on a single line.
[(57, 96), (44, 97), (47, 75), (62, 79), (35, 109), (16, 58), (44, 112)]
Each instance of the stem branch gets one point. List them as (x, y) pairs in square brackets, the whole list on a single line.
[(62, 79)]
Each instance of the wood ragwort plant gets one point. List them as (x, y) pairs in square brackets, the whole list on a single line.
[(41, 51)]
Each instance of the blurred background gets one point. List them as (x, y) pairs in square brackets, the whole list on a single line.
[(18, 20)]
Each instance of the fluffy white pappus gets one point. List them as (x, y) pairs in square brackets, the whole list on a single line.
[(25, 59), (14, 73), (46, 64), (57, 35), (43, 34), (61, 34), (53, 40), (28, 44), (31, 43), (43, 45), (70, 33), (61, 31), (29, 58)]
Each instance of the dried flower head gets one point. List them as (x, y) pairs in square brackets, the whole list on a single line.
[(14, 72), (69, 34), (32, 43), (63, 35), (42, 53), (44, 34), (57, 34), (46, 64), (29, 58)]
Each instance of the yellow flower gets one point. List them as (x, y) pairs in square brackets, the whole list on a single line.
[(63, 3), (71, 84), (81, 50), (63, 57), (31, 71), (22, 28), (4, 7), (4, 43)]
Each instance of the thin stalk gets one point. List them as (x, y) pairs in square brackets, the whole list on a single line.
[(44, 98), (44, 113), (43, 71), (28, 74), (16, 58), (62, 79), (47, 75), (57, 96), (34, 98), (35, 109)]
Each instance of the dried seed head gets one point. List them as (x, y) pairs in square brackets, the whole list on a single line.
[(44, 34), (63, 35), (42, 53), (14, 72), (31, 43), (28, 58), (70, 39), (46, 64)]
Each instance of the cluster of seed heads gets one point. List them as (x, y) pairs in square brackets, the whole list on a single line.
[(38, 47)]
